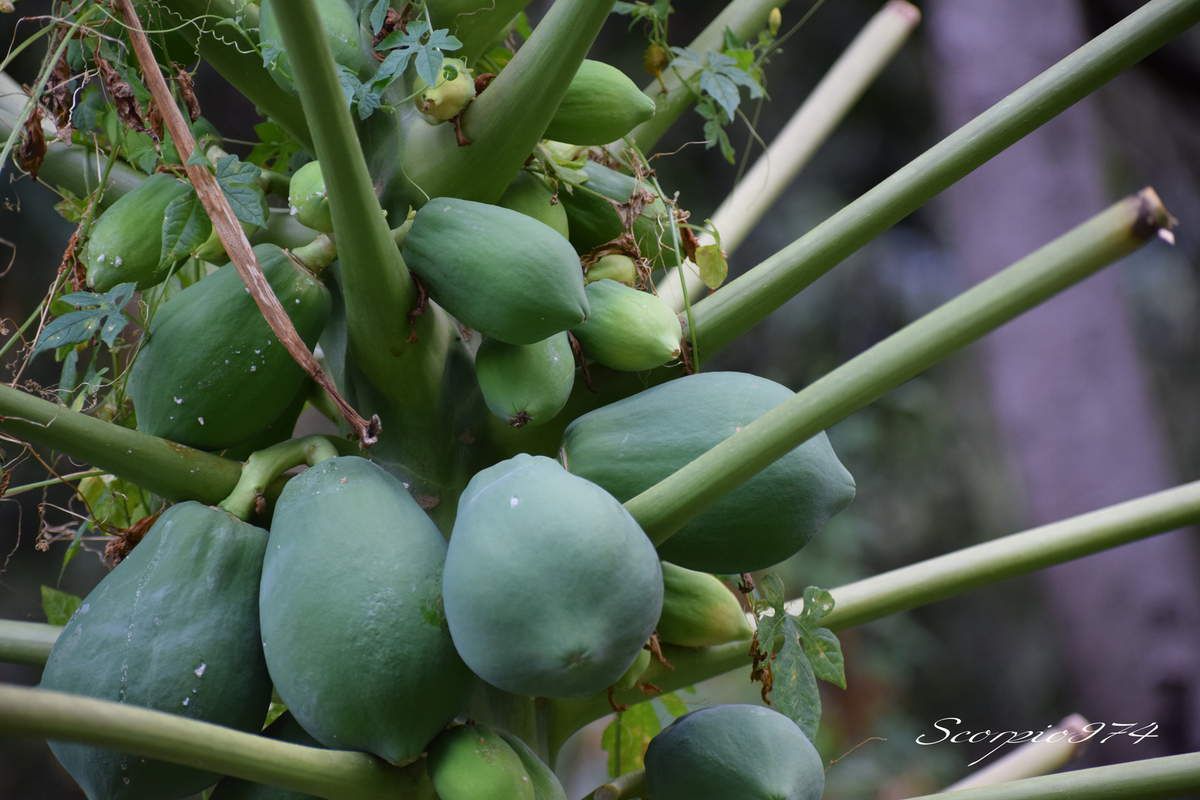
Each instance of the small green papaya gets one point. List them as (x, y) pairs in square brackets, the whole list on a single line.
[(601, 105), (212, 249), (630, 445), (526, 384), (545, 782), (174, 627), (527, 522), (743, 751), (628, 329), (614, 266), (635, 671), (498, 271), (339, 23), (284, 729), (307, 200), (125, 244), (448, 98), (211, 373), (594, 221), (529, 195), (470, 762), (351, 610), (699, 610)]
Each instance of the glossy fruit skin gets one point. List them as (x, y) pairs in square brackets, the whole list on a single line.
[(471, 762), (284, 729), (630, 445), (627, 329), (594, 221), (527, 530), (174, 627), (450, 96), (614, 266), (743, 751), (211, 373), (601, 105), (352, 624), (699, 611), (529, 195), (545, 783), (126, 242), (307, 198), (526, 384), (339, 23), (497, 271)]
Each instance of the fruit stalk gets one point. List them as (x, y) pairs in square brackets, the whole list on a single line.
[(263, 467), (744, 302), (1108, 236), (624, 786), (333, 774)]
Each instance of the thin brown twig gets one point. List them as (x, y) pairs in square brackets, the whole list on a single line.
[(230, 232)]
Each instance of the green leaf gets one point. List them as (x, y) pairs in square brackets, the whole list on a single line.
[(242, 185), (115, 504), (275, 148), (824, 652), (73, 548), (712, 264), (185, 227), (58, 606), (794, 692), (627, 737), (818, 604), (379, 15), (424, 47)]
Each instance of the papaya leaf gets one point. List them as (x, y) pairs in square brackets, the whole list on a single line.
[(97, 313), (825, 654), (73, 548), (422, 47), (275, 148), (818, 604), (115, 504), (378, 15), (58, 606), (713, 266), (242, 185), (185, 226), (795, 693)]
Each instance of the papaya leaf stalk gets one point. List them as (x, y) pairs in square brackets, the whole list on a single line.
[(26, 642), (665, 507), (333, 774), (746, 301)]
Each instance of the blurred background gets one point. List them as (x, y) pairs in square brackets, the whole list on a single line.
[(1087, 401)]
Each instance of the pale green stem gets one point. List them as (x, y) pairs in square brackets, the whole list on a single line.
[(665, 507), (317, 254), (333, 774), (811, 125), (71, 478), (26, 642), (172, 470), (1134, 780), (746, 301), (620, 788), (264, 466)]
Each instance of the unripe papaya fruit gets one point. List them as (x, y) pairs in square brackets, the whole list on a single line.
[(545, 782), (529, 195), (743, 751), (699, 610), (614, 266), (628, 329), (284, 729), (601, 105), (471, 762), (211, 373), (527, 522), (630, 445), (173, 628), (526, 384), (125, 244), (352, 624), (212, 249), (446, 99), (594, 221), (339, 23), (498, 271), (307, 199)]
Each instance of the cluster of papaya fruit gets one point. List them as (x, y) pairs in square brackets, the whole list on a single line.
[(352, 608)]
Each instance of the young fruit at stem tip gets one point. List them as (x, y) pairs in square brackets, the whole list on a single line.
[(526, 385), (307, 198), (628, 329), (448, 97)]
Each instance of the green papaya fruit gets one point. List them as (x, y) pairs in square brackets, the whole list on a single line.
[(498, 271), (545, 783), (526, 384), (174, 627), (307, 200), (614, 266), (211, 373), (628, 329), (125, 244), (284, 729), (527, 522), (601, 105), (635, 671), (212, 249), (594, 220), (529, 195), (743, 751), (471, 762), (339, 23), (699, 610), (450, 96), (352, 623), (630, 445)]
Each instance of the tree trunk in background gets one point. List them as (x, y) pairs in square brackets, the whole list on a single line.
[(1067, 390)]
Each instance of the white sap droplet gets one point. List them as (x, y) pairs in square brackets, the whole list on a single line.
[(254, 368), (200, 670), (100, 258), (513, 502), (83, 609), (118, 261), (293, 211), (186, 700), (200, 420), (178, 400)]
